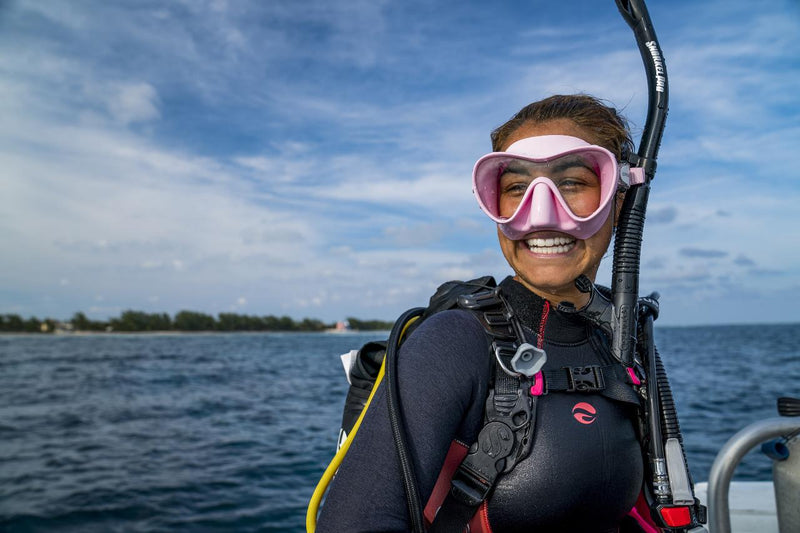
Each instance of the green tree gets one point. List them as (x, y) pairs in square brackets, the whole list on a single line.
[(13, 323), (140, 321), (32, 325), (369, 325), (309, 324), (80, 322), (194, 321)]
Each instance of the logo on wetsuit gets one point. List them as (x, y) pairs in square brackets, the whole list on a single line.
[(585, 413)]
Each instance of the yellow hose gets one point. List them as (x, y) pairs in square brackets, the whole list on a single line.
[(325, 480), (322, 486)]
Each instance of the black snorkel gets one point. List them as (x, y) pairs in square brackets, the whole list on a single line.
[(669, 490), (630, 226), (628, 319), (628, 242)]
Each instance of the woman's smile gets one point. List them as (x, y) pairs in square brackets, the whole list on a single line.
[(550, 245)]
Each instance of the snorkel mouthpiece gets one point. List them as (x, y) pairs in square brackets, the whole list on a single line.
[(543, 207)]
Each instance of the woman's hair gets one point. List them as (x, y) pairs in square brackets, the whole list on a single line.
[(609, 127)]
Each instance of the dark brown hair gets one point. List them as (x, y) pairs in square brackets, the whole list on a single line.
[(606, 124)]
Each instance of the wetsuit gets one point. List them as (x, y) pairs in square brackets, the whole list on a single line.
[(584, 471)]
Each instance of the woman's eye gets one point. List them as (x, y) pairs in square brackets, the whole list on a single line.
[(513, 183), (575, 183), (570, 183)]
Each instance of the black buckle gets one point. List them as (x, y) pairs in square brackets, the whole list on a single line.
[(480, 299), (496, 318), (585, 378), (477, 473), (469, 490)]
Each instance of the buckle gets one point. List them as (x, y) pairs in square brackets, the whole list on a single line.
[(504, 351), (469, 490), (476, 474), (480, 299), (585, 378), (496, 318)]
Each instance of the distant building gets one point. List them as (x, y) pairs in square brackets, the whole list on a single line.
[(343, 326)]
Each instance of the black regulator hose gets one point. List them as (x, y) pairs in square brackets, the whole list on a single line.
[(398, 424), (663, 421), (659, 476), (630, 227), (670, 427)]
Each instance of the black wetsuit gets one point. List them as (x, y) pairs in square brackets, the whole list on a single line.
[(584, 471)]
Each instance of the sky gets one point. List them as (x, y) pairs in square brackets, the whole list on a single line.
[(313, 159)]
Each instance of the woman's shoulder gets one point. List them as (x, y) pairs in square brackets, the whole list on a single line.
[(451, 335), (450, 323)]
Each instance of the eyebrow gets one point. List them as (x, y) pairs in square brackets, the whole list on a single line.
[(568, 162), (517, 166)]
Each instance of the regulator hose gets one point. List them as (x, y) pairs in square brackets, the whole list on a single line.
[(396, 418), (670, 427)]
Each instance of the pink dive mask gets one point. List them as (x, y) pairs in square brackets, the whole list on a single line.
[(568, 185)]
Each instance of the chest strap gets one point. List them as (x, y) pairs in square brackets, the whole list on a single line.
[(612, 381)]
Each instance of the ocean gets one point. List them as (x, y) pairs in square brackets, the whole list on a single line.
[(230, 432)]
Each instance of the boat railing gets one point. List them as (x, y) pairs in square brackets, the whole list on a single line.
[(728, 458)]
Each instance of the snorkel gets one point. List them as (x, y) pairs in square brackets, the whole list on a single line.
[(628, 319), (670, 495), (630, 227)]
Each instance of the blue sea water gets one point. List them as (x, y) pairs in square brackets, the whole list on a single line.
[(230, 432)]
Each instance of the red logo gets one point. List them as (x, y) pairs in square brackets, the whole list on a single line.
[(584, 413)]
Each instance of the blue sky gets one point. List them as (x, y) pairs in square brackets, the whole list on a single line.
[(313, 158)]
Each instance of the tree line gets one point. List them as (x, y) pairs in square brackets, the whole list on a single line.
[(139, 321)]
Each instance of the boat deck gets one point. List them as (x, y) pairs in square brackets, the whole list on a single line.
[(752, 506)]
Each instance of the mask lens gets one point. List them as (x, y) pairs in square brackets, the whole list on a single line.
[(577, 177)]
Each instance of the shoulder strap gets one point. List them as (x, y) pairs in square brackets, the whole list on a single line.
[(510, 410)]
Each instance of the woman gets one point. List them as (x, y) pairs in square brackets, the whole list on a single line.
[(552, 187)]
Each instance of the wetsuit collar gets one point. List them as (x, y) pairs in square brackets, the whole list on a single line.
[(527, 306)]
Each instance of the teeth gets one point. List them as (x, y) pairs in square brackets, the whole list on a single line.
[(556, 245), (557, 241)]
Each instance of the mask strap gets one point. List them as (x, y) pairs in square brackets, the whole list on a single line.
[(630, 175)]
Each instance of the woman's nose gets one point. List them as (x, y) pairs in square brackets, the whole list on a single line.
[(543, 212)]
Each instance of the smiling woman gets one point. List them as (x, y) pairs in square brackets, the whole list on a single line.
[(557, 424)]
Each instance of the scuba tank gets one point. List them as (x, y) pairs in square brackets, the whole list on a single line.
[(786, 473), (786, 469)]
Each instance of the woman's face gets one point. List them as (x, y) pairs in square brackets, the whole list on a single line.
[(547, 262)]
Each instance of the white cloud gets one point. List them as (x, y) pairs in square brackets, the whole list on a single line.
[(137, 102), (315, 154)]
